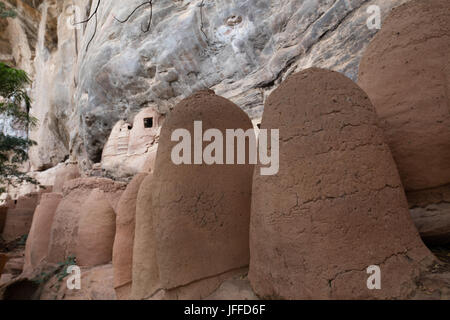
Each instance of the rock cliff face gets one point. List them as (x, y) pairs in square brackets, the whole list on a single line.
[(86, 78)]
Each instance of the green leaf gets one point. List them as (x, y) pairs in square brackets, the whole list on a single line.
[(5, 12), (14, 104)]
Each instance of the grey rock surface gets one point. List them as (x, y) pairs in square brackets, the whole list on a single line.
[(240, 49)]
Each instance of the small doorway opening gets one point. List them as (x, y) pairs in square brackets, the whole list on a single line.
[(148, 122)]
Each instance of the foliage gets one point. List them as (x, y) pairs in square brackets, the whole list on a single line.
[(14, 104), (5, 12), (70, 261), (23, 240), (60, 271)]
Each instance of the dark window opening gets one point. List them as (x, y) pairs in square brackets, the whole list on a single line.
[(148, 122)]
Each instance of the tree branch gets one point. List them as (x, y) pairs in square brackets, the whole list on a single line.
[(94, 14), (147, 29)]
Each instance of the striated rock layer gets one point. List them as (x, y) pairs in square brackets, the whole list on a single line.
[(337, 205)]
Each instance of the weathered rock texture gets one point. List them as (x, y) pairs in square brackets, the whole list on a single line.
[(67, 172), (18, 36), (96, 230), (54, 81), (41, 42), (124, 239), (192, 220), (36, 248), (242, 49), (45, 178), (405, 71), (337, 205), (20, 216), (14, 264), (430, 210), (234, 288), (64, 231)]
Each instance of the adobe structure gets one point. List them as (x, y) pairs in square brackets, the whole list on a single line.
[(36, 248), (19, 216), (124, 238), (96, 230), (64, 230), (405, 71), (337, 205), (131, 145), (195, 216)]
